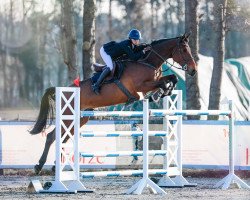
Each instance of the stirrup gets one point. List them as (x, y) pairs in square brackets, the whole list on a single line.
[(96, 89)]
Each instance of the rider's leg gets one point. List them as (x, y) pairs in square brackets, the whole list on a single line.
[(108, 60), (96, 86)]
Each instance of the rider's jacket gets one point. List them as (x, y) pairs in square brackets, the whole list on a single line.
[(124, 48)]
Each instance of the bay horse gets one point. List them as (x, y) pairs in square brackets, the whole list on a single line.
[(138, 76)]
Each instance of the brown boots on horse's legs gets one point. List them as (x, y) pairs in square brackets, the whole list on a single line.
[(96, 86)]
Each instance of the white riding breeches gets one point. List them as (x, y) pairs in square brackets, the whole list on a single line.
[(106, 58)]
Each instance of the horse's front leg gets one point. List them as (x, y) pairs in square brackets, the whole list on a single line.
[(167, 83), (162, 87)]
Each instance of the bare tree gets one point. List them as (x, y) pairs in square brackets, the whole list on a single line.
[(219, 53), (135, 13), (191, 25), (110, 20), (69, 39), (179, 15), (237, 16), (154, 19), (88, 47)]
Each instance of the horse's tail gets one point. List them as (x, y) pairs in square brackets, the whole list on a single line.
[(46, 111)]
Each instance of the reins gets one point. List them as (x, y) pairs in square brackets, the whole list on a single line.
[(184, 67)]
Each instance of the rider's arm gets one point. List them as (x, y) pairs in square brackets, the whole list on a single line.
[(131, 55), (140, 47)]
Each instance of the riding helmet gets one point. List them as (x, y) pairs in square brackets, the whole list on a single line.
[(134, 34)]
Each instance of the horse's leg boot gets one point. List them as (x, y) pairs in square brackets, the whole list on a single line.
[(96, 86), (157, 95)]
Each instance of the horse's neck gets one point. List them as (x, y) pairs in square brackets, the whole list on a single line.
[(164, 50)]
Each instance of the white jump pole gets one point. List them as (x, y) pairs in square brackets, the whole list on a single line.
[(231, 177), (138, 187)]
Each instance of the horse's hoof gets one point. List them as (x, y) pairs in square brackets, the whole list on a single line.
[(37, 169)]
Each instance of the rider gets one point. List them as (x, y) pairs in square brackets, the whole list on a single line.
[(111, 51)]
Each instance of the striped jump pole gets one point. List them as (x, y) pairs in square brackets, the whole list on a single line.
[(162, 113), (122, 153), (112, 114), (120, 133), (122, 173)]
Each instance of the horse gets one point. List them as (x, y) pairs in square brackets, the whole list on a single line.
[(138, 77)]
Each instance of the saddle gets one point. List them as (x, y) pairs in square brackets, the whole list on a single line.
[(116, 72), (114, 77)]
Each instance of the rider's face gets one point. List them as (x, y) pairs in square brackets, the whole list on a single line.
[(135, 42)]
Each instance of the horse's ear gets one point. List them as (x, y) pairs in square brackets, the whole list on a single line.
[(186, 36)]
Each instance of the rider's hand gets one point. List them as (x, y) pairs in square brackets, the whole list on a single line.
[(146, 49)]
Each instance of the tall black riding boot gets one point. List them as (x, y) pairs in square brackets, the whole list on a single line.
[(96, 86)]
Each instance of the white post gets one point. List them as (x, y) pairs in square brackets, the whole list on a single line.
[(231, 177), (145, 137), (58, 185), (67, 180), (169, 104), (76, 184), (231, 139), (138, 187), (180, 180)]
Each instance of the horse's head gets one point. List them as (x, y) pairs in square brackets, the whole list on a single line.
[(176, 48), (182, 55)]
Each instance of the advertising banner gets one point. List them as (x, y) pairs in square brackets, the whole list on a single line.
[(205, 145)]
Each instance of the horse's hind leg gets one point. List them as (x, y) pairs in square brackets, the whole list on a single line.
[(49, 140)]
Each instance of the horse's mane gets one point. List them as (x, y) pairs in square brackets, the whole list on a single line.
[(154, 42)]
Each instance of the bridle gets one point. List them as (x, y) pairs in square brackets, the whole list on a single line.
[(176, 49)]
